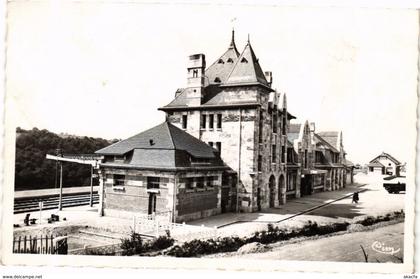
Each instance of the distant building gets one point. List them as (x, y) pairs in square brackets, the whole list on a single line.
[(384, 164), (321, 159), (162, 170), (330, 156)]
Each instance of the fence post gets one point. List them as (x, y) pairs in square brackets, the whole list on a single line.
[(19, 244), (52, 244), (134, 223), (24, 244), (46, 244)]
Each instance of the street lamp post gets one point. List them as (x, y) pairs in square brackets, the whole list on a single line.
[(60, 199), (91, 186)]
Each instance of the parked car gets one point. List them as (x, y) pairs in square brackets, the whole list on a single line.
[(394, 184)]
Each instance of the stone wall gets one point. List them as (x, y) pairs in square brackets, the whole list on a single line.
[(172, 196)]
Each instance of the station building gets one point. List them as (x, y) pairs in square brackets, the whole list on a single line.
[(231, 106), (227, 145)]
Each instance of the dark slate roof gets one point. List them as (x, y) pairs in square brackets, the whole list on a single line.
[(348, 163), (321, 141), (387, 156), (164, 136), (331, 137), (247, 69), (224, 65), (294, 128)]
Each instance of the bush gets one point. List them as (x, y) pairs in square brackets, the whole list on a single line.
[(162, 242), (135, 245), (370, 220), (132, 245)]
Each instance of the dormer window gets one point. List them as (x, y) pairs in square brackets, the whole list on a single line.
[(220, 61), (230, 60), (243, 60), (217, 79)]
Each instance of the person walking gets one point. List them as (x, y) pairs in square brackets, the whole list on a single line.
[(355, 197)]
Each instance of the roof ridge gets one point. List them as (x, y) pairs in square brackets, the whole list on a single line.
[(325, 142), (234, 66), (170, 133)]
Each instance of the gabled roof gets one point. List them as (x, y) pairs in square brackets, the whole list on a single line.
[(320, 140), (247, 69), (164, 136), (375, 164), (294, 128), (387, 156), (223, 66), (332, 137)]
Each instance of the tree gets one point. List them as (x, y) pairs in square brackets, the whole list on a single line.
[(34, 171)]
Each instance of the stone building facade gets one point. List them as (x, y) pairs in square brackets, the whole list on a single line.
[(231, 106), (161, 171), (330, 156)]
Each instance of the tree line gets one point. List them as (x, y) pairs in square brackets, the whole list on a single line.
[(34, 171)]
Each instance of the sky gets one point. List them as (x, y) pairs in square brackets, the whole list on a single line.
[(102, 69)]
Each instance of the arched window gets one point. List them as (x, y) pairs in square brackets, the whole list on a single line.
[(221, 61), (217, 79), (243, 60), (230, 60)]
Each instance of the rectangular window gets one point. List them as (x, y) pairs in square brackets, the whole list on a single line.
[(260, 127), (200, 182), (273, 153), (211, 143), (259, 162), (184, 121), (203, 121), (119, 180), (283, 153), (153, 182), (275, 122), (211, 121), (219, 146), (189, 183), (219, 121), (284, 122)]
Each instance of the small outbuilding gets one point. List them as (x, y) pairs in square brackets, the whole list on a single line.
[(384, 164), (163, 170)]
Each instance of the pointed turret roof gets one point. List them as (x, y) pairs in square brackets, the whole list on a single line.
[(217, 73), (247, 69)]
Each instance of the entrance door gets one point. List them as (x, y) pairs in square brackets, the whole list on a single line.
[(224, 199), (259, 199), (305, 185), (271, 186), (152, 203)]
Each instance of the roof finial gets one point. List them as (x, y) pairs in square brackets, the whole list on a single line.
[(232, 42), (248, 39)]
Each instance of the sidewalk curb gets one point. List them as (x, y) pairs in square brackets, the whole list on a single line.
[(297, 214)]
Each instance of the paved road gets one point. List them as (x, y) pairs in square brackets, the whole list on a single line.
[(343, 248)]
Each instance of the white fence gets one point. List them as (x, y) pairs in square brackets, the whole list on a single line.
[(157, 224)]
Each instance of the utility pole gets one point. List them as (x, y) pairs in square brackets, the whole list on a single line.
[(91, 185), (60, 199)]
